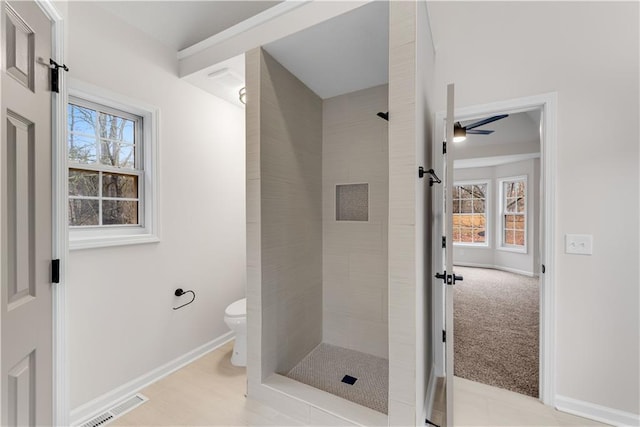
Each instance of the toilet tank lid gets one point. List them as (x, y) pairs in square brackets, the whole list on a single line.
[(238, 308)]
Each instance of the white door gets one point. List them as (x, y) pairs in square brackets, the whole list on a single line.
[(25, 217), (448, 276)]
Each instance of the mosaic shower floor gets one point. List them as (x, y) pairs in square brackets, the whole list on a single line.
[(327, 365)]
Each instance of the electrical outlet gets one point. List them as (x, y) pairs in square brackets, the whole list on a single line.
[(579, 244)]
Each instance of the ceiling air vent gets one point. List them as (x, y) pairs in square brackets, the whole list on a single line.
[(226, 77), (116, 411)]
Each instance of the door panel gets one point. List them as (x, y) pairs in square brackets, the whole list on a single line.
[(448, 251), (25, 217)]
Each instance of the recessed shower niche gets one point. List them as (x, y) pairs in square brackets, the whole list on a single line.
[(318, 206), (352, 202)]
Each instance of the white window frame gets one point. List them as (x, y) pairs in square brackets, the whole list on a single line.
[(502, 246), (146, 231), (487, 214)]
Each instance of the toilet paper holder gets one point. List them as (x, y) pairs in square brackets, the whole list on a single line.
[(179, 292)]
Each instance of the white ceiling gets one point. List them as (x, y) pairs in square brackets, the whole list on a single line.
[(341, 55), (180, 24), (516, 135), (515, 129)]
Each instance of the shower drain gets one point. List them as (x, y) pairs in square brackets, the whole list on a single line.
[(348, 379)]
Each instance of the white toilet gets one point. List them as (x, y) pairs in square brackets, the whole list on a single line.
[(235, 316)]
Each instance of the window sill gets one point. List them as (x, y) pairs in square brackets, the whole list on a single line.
[(513, 249), (109, 241), (471, 245)]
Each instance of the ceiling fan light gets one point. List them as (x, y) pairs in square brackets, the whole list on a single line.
[(459, 134)]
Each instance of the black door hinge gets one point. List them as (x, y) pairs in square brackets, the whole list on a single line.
[(55, 84), (430, 423), (444, 336), (444, 242), (543, 269), (444, 147), (55, 271)]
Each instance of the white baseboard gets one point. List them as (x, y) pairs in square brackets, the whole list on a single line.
[(596, 412), (496, 267), (102, 403), (430, 394)]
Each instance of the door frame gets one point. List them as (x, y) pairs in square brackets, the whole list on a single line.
[(59, 250), (547, 104)]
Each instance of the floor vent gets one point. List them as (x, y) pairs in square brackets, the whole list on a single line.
[(116, 411)]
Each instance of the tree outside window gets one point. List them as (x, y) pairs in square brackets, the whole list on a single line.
[(105, 171), (514, 212), (470, 213)]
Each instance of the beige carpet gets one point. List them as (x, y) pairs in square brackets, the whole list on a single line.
[(496, 329), (327, 364)]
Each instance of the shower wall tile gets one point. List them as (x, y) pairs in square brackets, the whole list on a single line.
[(401, 414), (355, 274), (410, 78), (402, 384), (284, 218), (254, 276)]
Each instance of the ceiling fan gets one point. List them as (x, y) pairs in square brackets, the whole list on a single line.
[(460, 132)]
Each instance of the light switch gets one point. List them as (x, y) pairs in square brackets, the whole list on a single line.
[(580, 244)]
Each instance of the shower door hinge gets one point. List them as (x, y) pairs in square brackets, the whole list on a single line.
[(444, 147), (444, 336), (55, 271), (444, 242)]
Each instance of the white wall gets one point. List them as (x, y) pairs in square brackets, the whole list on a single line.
[(492, 256), (355, 149), (587, 52), (120, 299)]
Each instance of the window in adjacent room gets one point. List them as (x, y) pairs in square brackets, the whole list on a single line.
[(470, 213), (110, 181), (513, 208)]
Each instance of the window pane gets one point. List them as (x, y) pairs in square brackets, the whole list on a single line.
[(116, 128), (520, 205), (510, 204), (83, 212), (518, 237), (82, 149), (518, 222), (81, 120), (479, 191), (466, 234), (456, 206), (480, 236), (117, 185), (456, 234), (508, 237), (465, 206), (117, 154), (478, 205), (119, 212), (83, 183), (465, 192)]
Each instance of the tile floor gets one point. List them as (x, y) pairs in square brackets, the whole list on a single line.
[(210, 392)]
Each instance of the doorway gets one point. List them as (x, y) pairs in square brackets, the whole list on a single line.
[(496, 201), (545, 106)]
